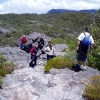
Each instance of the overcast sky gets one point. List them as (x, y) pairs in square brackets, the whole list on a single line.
[(43, 6)]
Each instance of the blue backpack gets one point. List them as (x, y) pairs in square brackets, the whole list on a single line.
[(86, 40)]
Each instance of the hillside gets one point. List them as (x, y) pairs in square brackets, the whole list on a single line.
[(92, 11), (65, 26)]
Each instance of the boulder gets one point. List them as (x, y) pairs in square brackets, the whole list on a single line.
[(3, 30)]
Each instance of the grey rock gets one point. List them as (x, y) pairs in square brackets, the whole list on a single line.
[(27, 83), (60, 47), (34, 36), (3, 30)]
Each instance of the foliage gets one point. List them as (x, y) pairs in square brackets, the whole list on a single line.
[(57, 41), (55, 25), (1, 81), (2, 72), (93, 59), (9, 67), (71, 51), (93, 88), (65, 27), (59, 62), (5, 67), (72, 44), (2, 60)]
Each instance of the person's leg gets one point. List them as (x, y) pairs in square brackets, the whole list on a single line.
[(21, 46), (48, 57), (32, 60), (79, 59), (84, 59), (30, 64), (84, 63), (52, 56), (35, 60), (79, 62)]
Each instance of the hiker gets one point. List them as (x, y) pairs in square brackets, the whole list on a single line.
[(23, 41), (49, 50), (85, 42), (33, 53)]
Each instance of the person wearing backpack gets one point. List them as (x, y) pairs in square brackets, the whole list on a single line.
[(23, 41), (84, 46), (33, 53)]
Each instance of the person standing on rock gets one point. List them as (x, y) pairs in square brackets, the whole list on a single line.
[(49, 50), (33, 53), (23, 41), (85, 42)]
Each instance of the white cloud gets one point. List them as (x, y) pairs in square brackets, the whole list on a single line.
[(43, 6)]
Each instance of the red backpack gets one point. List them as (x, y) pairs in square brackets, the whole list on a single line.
[(33, 50), (24, 40)]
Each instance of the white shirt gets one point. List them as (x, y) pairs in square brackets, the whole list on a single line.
[(49, 51), (81, 37)]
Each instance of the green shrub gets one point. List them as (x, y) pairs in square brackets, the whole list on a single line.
[(59, 62), (1, 82), (5, 67), (93, 88), (2, 72), (2, 60), (57, 41), (94, 60), (9, 67)]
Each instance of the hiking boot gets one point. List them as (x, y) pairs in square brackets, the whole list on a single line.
[(46, 72), (84, 68), (35, 66)]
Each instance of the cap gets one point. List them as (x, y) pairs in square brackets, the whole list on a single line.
[(87, 29)]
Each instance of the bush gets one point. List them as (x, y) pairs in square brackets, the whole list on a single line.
[(57, 41), (59, 62), (2, 60), (4, 65), (92, 90), (5, 68), (94, 60), (1, 81), (9, 67), (2, 72)]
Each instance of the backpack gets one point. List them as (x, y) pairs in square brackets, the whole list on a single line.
[(24, 40), (33, 50), (28, 48), (84, 45), (86, 40)]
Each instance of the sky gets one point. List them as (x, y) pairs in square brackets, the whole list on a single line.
[(43, 6)]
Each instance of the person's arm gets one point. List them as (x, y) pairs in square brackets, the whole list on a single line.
[(53, 50), (91, 45), (91, 48), (46, 49), (78, 43), (80, 38), (31, 51)]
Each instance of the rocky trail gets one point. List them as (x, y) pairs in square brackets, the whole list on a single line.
[(27, 83)]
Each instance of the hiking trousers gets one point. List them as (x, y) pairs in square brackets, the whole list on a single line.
[(33, 59), (50, 56), (82, 57)]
